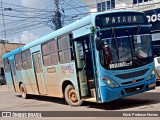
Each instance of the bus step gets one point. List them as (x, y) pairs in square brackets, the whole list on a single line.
[(91, 84), (93, 94), (91, 100)]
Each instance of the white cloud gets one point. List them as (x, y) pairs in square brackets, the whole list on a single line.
[(40, 4), (26, 37)]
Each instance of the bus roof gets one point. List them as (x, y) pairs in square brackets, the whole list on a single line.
[(67, 29)]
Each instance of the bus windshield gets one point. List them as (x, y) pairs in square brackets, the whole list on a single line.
[(126, 51)]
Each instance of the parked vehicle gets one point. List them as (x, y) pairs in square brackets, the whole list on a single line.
[(2, 77), (2, 80), (157, 67)]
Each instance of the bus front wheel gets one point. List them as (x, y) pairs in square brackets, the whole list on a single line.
[(23, 91), (71, 96)]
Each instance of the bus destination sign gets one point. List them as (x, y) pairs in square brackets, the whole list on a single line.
[(121, 19), (108, 20)]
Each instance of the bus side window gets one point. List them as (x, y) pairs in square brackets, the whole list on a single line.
[(49, 52), (18, 60), (26, 60), (6, 65), (65, 49)]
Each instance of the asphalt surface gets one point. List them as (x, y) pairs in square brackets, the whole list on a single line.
[(148, 101)]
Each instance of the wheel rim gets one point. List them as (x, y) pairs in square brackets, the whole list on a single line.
[(72, 95)]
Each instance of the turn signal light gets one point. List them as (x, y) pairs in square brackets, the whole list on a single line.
[(104, 78)]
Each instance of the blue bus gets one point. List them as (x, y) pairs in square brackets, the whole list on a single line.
[(100, 58)]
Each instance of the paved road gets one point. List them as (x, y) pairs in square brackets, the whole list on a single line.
[(148, 101)]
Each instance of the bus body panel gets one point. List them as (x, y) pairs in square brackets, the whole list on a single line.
[(56, 75), (8, 75), (82, 31), (121, 82), (13, 73), (109, 94), (29, 81), (9, 82)]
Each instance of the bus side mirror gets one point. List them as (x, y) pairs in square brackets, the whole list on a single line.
[(98, 43)]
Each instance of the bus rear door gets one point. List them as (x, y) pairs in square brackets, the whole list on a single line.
[(39, 73)]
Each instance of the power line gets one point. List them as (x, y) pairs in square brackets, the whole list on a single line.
[(40, 16), (22, 6), (71, 6), (3, 22)]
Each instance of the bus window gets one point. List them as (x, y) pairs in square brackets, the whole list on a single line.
[(6, 65), (53, 52), (26, 60), (65, 49), (49, 52), (18, 60)]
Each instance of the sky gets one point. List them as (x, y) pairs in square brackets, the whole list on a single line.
[(28, 20), (24, 35)]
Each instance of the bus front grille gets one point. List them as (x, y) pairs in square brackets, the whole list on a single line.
[(132, 74), (130, 82)]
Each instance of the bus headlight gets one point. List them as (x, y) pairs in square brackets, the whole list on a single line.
[(110, 83), (151, 75)]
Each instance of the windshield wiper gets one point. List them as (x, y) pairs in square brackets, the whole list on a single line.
[(115, 39), (138, 29)]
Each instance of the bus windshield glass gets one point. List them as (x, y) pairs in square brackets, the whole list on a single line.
[(126, 51)]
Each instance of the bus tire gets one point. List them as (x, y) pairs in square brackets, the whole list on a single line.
[(23, 91), (71, 96)]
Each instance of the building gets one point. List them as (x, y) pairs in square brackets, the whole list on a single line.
[(99, 5), (103, 5), (5, 47), (150, 7)]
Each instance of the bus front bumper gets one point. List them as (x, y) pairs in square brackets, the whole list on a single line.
[(110, 94)]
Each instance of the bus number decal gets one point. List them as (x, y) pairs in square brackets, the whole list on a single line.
[(122, 64)]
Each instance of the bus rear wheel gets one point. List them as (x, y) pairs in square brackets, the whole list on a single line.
[(23, 91), (70, 95)]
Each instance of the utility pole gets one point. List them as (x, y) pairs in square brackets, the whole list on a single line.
[(3, 21), (57, 15)]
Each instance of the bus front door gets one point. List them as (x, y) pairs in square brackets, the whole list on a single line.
[(39, 73), (14, 79), (84, 65)]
